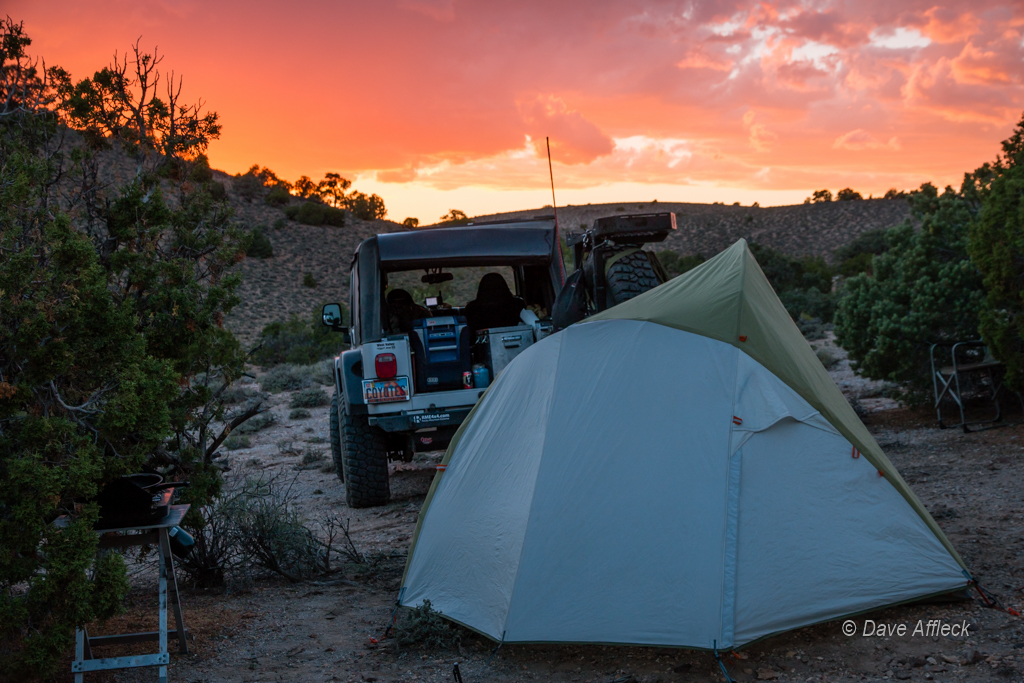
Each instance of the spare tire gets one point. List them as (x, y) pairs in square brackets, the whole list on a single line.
[(629, 275)]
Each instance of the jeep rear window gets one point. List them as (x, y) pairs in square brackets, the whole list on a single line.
[(456, 292)]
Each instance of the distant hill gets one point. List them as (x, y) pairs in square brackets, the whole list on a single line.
[(272, 289), (801, 229)]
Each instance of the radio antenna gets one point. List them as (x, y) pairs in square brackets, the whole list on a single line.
[(554, 206), (551, 174)]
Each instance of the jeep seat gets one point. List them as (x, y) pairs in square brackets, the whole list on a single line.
[(494, 305), (402, 311)]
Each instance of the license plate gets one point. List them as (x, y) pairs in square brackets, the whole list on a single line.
[(386, 390)]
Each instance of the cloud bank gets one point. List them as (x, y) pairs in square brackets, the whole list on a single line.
[(453, 93)]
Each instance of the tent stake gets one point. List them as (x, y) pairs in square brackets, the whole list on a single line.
[(495, 650), (721, 664), (394, 615)]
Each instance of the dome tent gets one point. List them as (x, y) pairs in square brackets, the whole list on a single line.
[(678, 470)]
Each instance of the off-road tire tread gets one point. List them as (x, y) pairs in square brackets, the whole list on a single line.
[(630, 276), (335, 439), (365, 462)]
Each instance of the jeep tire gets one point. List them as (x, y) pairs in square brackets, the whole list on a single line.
[(364, 461), (339, 467), (630, 276)]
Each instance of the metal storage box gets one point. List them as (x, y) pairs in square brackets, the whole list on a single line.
[(505, 343)]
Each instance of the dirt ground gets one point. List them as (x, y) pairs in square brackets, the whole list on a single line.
[(325, 631)]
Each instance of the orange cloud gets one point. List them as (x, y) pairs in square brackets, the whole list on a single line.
[(758, 134), (935, 88), (700, 60), (452, 95), (574, 140), (984, 67), (859, 139), (947, 25)]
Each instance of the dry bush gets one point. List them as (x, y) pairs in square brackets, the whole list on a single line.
[(425, 628), (312, 459), (241, 394), (310, 397), (256, 423), (256, 529), (828, 356), (237, 441), (287, 377)]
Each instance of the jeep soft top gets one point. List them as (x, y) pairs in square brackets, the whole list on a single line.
[(529, 245)]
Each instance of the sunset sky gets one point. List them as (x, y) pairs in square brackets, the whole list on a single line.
[(438, 104)]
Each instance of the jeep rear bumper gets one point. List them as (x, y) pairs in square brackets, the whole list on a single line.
[(410, 422)]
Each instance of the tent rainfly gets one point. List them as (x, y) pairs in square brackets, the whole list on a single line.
[(678, 470)]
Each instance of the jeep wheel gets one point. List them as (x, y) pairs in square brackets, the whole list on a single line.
[(364, 462), (630, 276), (336, 438)]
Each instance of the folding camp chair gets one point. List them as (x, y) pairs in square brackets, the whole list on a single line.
[(972, 372)]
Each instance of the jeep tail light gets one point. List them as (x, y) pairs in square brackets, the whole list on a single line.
[(387, 366)]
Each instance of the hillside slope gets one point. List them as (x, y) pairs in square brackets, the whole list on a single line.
[(272, 288), (798, 230)]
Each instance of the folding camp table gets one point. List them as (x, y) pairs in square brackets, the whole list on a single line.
[(153, 534), (970, 365)]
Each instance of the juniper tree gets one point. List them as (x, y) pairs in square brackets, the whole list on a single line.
[(922, 289), (113, 293), (997, 249)]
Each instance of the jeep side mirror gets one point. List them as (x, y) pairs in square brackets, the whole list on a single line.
[(332, 315), (332, 319)]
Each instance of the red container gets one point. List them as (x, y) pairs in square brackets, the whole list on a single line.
[(467, 380)]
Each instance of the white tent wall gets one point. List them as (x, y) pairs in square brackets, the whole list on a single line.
[(821, 535), (601, 492), (466, 556), (625, 538)]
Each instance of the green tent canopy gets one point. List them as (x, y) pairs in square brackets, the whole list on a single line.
[(678, 470)]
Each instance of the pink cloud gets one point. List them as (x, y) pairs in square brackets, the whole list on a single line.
[(827, 27), (800, 74), (985, 67), (701, 60), (440, 10), (936, 88)]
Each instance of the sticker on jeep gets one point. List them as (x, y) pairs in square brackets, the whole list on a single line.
[(386, 390), (427, 418)]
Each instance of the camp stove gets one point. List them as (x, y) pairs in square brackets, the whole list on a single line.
[(136, 500)]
